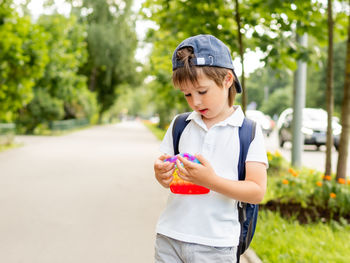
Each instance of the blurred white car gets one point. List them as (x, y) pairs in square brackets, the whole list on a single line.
[(314, 127), (263, 120)]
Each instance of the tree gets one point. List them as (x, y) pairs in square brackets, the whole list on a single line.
[(262, 85), (241, 53), (111, 45), (62, 92), (23, 57), (345, 117), (329, 92)]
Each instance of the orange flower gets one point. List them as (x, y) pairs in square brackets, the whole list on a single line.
[(327, 177), (319, 184), (341, 181), (285, 181), (349, 182), (332, 195), (293, 172)]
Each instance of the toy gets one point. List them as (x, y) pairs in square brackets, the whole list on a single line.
[(179, 186)]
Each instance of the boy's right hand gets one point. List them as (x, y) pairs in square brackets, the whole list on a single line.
[(164, 170)]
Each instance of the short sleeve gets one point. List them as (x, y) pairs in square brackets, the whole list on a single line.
[(166, 145), (257, 150)]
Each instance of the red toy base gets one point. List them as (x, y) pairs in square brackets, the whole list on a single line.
[(188, 189)]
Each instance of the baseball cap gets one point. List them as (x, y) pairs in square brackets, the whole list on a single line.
[(208, 51)]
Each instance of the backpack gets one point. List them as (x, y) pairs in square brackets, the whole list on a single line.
[(247, 213)]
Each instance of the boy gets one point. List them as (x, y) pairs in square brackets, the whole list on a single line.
[(205, 228)]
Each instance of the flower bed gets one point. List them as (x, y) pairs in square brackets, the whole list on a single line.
[(307, 194)]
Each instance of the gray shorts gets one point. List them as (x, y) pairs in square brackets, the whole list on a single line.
[(169, 250)]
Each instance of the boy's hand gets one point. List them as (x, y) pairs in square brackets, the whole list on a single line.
[(201, 174), (164, 171)]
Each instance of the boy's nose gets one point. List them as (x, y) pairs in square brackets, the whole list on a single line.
[(197, 100)]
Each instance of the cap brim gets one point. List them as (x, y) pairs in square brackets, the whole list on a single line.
[(237, 83)]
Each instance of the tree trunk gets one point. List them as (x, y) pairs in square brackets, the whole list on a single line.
[(92, 81), (241, 53), (329, 92), (345, 117)]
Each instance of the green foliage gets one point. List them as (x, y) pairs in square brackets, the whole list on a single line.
[(316, 81), (263, 87), (280, 240), (23, 57), (131, 102), (277, 102), (333, 196), (61, 93), (169, 100), (111, 44), (276, 162), (42, 109)]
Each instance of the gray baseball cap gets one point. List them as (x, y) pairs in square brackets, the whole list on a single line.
[(208, 51)]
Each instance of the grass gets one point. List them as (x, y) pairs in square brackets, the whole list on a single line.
[(281, 240), (9, 146), (159, 133)]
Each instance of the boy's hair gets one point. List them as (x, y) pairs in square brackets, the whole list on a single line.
[(190, 72)]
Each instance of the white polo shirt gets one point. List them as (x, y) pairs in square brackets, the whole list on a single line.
[(209, 219)]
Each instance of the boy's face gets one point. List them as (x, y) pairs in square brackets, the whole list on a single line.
[(207, 98)]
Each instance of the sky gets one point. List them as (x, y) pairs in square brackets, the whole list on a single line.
[(251, 58)]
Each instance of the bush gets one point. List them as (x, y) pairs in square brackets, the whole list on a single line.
[(276, 162)]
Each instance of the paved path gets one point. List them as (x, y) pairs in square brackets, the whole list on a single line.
[(85, 197), (89, 196)]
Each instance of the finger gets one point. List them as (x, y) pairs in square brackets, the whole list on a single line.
[(167, 175), (168, 181), (163, 166), (182, 176), (181, 169), (179, 165), (201, 159), (187, 164), (164, 156), (168, 165)]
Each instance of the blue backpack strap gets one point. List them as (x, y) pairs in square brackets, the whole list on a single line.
[(246, 135), (248, 213), (179, 125)]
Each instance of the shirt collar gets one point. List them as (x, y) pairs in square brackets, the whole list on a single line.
[(235, 119)]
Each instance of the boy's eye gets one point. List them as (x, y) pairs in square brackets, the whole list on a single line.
[(202, 92), (188, 95)]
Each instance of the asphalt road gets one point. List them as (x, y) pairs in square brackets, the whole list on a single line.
[(89, 196), (311, 157)]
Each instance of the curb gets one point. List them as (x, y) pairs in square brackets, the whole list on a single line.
[(251, 256)]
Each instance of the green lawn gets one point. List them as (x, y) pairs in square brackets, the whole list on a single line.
[(280, 240)]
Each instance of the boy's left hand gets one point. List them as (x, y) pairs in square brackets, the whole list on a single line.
[(200, 174)]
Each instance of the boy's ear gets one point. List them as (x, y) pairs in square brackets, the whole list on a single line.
[(229, 79)]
